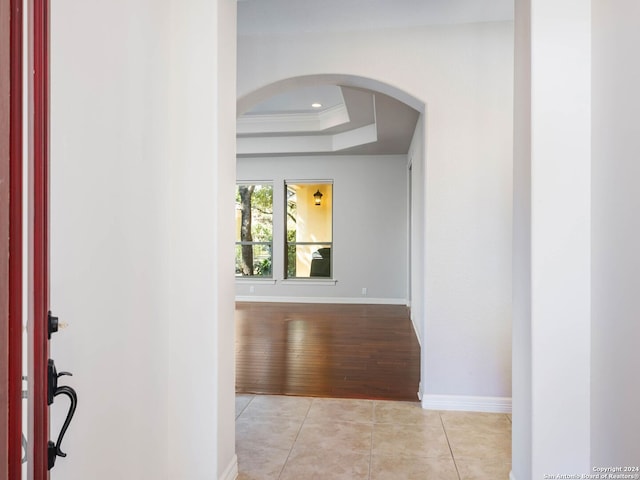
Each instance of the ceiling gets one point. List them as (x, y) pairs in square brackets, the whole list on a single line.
[(260, 17), (349, 120), (344, 120)]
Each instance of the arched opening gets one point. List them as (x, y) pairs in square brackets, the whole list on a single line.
[(245, 102), (394, 114)]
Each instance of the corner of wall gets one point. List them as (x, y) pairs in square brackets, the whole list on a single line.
[(231, 472)]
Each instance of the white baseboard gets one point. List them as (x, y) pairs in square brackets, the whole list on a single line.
[(415, 329), (467, 403), (511, 475), (231, 472), (341, 300)]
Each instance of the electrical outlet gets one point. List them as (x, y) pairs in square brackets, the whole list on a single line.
[(364, 291), (252, 289)]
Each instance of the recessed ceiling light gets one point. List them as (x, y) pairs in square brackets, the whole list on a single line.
[(316, 105)]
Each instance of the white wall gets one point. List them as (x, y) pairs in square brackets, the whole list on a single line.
[(201, 414), (552, 331), (521, 325), (560, 235), (369, 226), (577, 127), (615, 356), (107, 193), (142, 153), (463, 74), (417, 230)]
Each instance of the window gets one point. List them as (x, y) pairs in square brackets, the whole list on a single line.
[(254, 230), (309, 230)]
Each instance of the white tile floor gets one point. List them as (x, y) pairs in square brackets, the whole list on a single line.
[(300, 438)]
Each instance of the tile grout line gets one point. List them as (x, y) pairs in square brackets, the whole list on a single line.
[(245, 407), (373, 426), (296, 439), (455, 464)]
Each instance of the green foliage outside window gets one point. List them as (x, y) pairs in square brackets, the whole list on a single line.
[(254, 237)]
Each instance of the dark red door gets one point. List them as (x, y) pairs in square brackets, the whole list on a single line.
[(39, 166), (43, 376), (11, 322), (36, 448), (39, 373), (10, 238)]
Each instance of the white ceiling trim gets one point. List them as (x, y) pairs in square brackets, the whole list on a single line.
[(293, 122), (307, 143), (356, 137)]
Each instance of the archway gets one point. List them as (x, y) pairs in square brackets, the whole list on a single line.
[(245, 102), (416, 176)]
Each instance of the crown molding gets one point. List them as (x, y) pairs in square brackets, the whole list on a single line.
[(307, 143), (249, 124)]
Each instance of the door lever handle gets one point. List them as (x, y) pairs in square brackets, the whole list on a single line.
[(53, 391), (52, 377), (54, 449)]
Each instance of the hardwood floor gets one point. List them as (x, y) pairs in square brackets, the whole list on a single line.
[(346, 351)]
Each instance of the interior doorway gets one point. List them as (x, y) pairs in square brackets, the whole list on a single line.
[(336, 126)]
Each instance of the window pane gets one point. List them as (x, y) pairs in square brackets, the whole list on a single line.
[(309, 229), (253, 260), (308, 260), (254, 229), (254, 213), (309, 212)]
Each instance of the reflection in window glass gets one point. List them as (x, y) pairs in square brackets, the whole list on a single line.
[(309, 230)]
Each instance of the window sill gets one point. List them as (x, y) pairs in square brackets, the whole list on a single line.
[(263, 281), (304, 281), (288, 281)]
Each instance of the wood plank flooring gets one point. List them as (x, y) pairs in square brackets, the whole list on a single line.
[(322, 350)]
